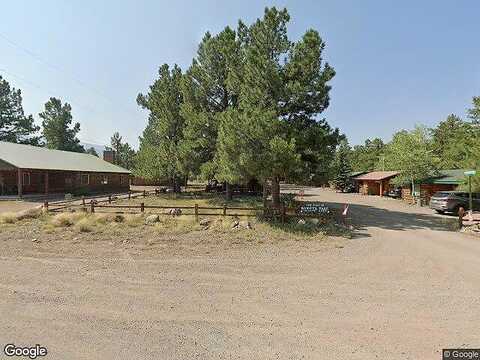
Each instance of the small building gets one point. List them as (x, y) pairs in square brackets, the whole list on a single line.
[(444, 180), (26, 169), (375, 182)]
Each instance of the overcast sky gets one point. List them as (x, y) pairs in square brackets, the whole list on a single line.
[(398, 63)]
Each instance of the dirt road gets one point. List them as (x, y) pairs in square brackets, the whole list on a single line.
[(403, 288)]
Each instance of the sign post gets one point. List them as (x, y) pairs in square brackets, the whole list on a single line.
[(469, 174)]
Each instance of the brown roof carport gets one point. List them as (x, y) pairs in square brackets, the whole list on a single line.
[(375, 182)]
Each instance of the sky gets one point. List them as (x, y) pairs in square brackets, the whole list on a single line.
[(398, 63)]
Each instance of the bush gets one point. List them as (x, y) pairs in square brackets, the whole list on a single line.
[(65, 219), (288, 200), (29, 214), (84, 225), (8, 218), (134, 220)]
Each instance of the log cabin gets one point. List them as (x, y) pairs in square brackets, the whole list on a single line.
[(26, 169)]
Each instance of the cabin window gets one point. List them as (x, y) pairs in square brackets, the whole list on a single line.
[(105, 179), (85, 179), (122, 179), (26, 178)]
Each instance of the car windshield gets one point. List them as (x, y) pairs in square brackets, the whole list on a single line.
[(441, 194)]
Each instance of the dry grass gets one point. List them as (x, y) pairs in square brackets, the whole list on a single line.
[(8, 218), (85, 225), (134, 220), (13, 217), (66, 219)]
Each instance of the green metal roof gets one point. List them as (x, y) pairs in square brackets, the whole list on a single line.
[(447, 177), (356, 173), (34, 157)]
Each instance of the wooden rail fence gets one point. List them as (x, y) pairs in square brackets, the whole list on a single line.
[(105, 203)]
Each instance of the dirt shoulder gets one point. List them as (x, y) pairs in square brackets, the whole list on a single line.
[(401, 289)]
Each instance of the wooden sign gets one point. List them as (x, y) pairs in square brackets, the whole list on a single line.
[(313, 209)]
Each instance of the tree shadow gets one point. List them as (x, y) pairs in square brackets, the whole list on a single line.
[(362, 217)]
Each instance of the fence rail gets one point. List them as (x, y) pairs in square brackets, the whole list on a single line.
[(102, 203)]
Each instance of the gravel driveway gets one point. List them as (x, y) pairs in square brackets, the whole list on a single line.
[(403, 288)]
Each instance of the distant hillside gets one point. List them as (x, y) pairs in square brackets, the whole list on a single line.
[(98, 148)]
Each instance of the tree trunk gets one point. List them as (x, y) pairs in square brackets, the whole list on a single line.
[(265, 194), (228, 191), (275, 191)]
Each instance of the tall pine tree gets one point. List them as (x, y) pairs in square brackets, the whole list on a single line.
[(15, 126), (160, 155), (282, 85), (59, 131)]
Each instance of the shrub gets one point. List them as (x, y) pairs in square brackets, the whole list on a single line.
[(29, 214), (66, 219), (288, 200), (84, 225), (8, 218), (134, 220), (104, 218)]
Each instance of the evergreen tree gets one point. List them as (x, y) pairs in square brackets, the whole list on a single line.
[(206, 96), (124, 153), (474, 112), (91, 150), (160, 154), (453, 141), (369, 156), (58, 131), (14, 125), (282, 88), (341, 167)]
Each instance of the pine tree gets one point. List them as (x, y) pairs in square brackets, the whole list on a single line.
[(14, 125), (207, 95), (474, 112), (91, 150), (58, 131), (342, 167), (160, 153), (282, 89)]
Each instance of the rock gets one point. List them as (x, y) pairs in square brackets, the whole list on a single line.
[(175, 212), (118, 218), (35, 240), (246, 225), (301, 222), (235, 224), (152, 219), (205, 222)]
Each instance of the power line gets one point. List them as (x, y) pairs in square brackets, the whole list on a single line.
[(34, 85), (59, 69)]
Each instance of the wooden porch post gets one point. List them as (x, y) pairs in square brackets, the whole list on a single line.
[(46, 182), (381, 187), (19, 182)]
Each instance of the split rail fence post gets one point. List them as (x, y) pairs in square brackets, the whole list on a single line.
[(92, 207), (129, 194), (144, 193), (45, 206), (142, 207), (224, 210), (109, 199), (461, 214), (196, 212), (83, 200), (282, 212)]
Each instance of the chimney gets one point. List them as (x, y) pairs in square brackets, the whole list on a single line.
[(109, 155)]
